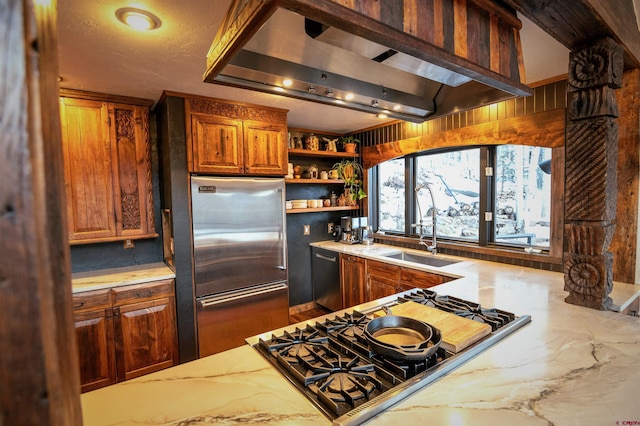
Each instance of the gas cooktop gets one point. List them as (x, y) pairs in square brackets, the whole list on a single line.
[(333, 364)]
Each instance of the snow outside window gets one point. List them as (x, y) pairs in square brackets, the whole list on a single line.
[(455, 180), (391, 187), (523, 195)]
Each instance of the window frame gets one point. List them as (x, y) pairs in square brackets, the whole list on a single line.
[(487, 188)]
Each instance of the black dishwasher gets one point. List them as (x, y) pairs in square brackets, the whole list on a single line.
[(325, 270)]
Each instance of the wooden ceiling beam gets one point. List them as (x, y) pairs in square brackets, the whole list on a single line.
[(581, 21)]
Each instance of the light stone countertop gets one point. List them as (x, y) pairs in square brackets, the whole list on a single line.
[(569, 366), (115, 277)]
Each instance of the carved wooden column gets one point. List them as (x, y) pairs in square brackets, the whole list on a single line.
[(591, 176)]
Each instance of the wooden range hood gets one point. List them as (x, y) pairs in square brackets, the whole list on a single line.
[(412, 59)]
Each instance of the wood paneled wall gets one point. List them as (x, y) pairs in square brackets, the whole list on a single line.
[(624, 243), (545, 99)]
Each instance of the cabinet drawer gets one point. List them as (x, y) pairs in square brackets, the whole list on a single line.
[(91, 300), (420, 279), (142, 292), (381, 269)]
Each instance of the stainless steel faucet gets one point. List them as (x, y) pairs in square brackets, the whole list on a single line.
[(434, 212)]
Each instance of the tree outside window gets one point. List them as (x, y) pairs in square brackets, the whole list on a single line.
[(523, 195), (522, 205), (455, 180), (391, 190)]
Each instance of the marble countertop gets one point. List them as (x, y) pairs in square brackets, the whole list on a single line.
[(569, 366), (115, 277)]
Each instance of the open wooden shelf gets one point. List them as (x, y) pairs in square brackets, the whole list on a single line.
[(322, 209), (312, 181), (325, 154)]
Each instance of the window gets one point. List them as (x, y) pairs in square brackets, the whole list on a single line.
[(391, 190), (454, 178), (523, 195), (517, 193)]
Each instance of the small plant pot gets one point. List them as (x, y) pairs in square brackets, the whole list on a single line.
[(350, 147)]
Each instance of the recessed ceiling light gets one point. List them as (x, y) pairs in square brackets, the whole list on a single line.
[(397, 107), (138, 19), (381, 115), (287, 82), (349, 96), (278, 89)]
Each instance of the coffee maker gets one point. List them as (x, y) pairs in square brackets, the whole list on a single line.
[(348, 234), (350, 230)]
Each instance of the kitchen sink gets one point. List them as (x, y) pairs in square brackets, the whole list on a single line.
[(428, 260)]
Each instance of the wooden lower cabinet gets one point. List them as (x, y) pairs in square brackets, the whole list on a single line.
[(352, 280), (132, 333), (94, 338), (382, 279), (366, 280)]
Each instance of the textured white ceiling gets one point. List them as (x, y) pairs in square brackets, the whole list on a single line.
[(97, 53)]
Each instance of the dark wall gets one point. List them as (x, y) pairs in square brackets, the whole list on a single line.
[(175, 190), (89, 257), (300, 288)]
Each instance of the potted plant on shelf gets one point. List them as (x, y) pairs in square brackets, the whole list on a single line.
[(351, 173), (349, 143)]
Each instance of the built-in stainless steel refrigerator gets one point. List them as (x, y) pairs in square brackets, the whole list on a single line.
[(240, 259)]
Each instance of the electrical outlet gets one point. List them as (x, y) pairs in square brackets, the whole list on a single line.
[(307, 229), (329, 228)]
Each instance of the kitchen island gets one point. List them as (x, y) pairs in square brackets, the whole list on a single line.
[(570, 365)]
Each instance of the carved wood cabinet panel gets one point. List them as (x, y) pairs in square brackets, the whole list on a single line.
[(107, 166), (232, 139)]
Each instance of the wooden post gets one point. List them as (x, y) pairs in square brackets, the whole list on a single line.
[(39, 378), (595, 71)]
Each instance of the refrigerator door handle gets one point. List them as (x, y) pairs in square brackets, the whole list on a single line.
[(283, 267), (217, 300)]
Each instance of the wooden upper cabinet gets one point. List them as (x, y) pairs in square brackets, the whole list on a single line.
[(107, 166), (88, 169), (235, 139), (265, 148), (216, 144)]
